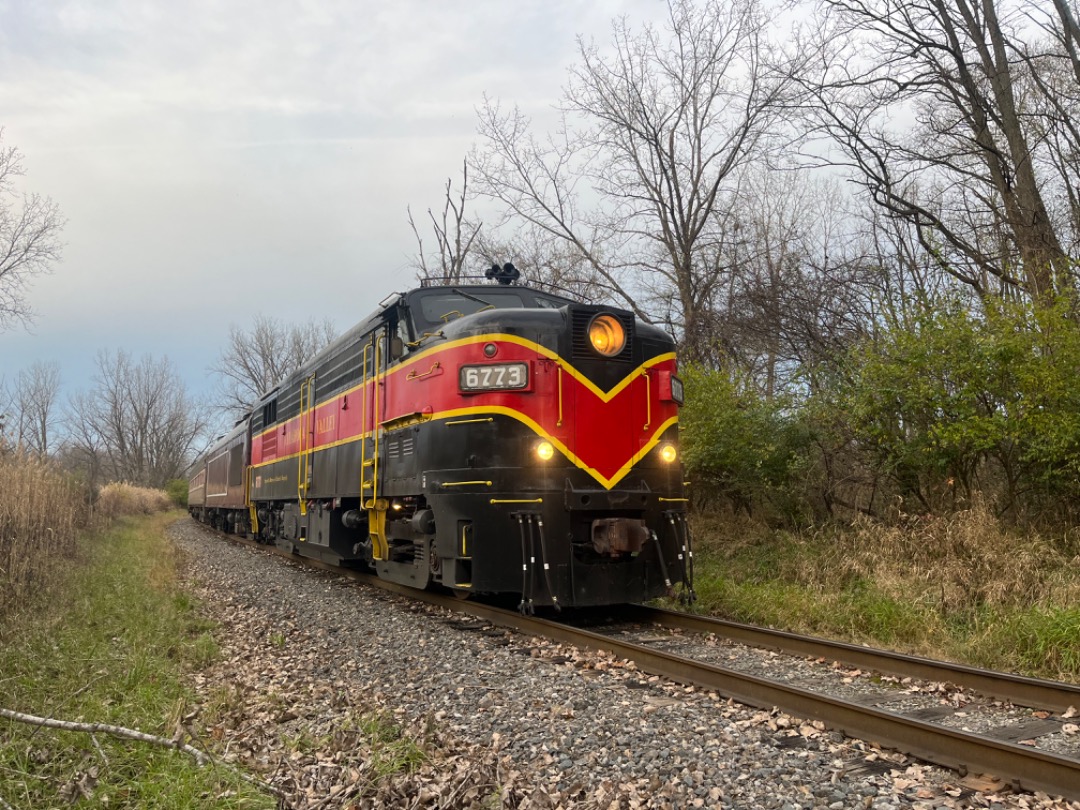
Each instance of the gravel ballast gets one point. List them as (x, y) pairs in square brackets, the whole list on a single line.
[(507, 720)]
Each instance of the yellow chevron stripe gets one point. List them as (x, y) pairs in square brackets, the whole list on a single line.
[(605, 396), (607, 483)]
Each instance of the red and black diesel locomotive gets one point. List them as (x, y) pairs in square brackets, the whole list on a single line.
[(489, 438)]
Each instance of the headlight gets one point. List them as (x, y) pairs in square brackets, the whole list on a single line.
[(668, 453), (607, 335), (545, 451)]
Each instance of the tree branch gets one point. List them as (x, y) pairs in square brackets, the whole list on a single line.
[(177, 743)]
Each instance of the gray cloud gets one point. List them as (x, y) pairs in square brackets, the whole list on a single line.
[(218, 159)]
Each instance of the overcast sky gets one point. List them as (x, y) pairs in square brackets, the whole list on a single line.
[(220, 159)]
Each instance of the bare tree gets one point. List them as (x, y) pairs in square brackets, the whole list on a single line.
[(1052, 95), (928, 102), (454, 235), (544, 261), (667, 118), (256, 360), (138, 423), (30, 227), (797, 292), (6, 444), (33, 410)]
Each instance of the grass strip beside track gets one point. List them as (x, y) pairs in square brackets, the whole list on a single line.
[(112, 644), (962, 588)]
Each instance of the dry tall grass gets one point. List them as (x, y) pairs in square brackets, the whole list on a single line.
[(42, 511), (964, 587), (117, 500), (957, 562)]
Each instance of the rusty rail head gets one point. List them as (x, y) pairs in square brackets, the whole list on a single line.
[(1025, 767), (1018, 689)]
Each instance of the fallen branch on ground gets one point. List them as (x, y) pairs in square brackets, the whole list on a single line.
[(200, 757), (116, 731)]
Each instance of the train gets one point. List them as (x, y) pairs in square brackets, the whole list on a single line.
[(492, 438)]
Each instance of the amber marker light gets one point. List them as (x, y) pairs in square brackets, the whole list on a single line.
[(545, 451), (668, 453), (606, 334)]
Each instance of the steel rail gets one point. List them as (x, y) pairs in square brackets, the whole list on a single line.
[(1018, 689), (1024, 767)]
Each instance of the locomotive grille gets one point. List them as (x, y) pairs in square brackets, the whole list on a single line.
[(399, 448), (580, 326)]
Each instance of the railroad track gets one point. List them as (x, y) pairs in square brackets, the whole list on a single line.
[(1007, 753)]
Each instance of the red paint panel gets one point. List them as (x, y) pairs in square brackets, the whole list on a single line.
[(603, 435)]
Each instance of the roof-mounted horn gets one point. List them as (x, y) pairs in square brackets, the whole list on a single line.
[(507, 274)]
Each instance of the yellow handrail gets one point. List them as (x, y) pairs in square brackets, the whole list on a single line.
[(434, 367), (375, 422), (364, 419), (376, 507), (303, 461), (648, 400), (412, 344)]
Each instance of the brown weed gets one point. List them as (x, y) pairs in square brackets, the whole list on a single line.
[(42, 511)]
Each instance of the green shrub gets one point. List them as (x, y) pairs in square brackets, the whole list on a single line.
[(177, 490), (948, 402), (740, 445)]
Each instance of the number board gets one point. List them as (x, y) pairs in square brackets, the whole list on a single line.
[(494, 377)]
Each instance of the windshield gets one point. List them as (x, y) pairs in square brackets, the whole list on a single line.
[(433, 308), (446, 306)]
